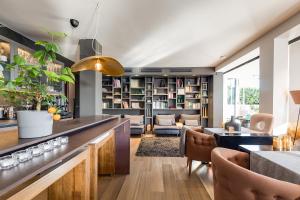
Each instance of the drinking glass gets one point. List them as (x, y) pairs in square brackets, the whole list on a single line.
[(56, 142), (48, 146), (277, 143), (8, 162), (23, 155), (64, 140), (36, 150)]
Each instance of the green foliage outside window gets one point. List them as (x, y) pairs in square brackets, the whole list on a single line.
[(249, 96)]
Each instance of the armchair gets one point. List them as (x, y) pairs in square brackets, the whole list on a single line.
[(233, 180), (199, 147)]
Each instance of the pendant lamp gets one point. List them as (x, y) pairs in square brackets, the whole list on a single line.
[(106, 65)]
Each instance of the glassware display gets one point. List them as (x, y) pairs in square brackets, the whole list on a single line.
[(36, 150), (8, 162), (277, 143), (48, 146), (23, 155), (64, 140), (56, 142), (283, 143)]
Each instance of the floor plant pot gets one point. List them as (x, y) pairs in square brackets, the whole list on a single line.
[(33, 124)]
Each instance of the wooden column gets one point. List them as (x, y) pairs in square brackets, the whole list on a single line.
[(123, 148), (68, 181), (102, 154)]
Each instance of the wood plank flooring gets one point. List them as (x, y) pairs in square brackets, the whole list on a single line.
[(154, 178)]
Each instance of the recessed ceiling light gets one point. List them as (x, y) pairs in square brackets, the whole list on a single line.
[(165, 74)]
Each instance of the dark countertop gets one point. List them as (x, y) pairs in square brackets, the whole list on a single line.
[(232, 140), (7, 123), (245, 132), (59, 128), (80, 132)]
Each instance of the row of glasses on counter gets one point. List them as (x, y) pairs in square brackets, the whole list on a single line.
[(10, 161)]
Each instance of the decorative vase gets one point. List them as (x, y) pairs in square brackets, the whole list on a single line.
[(235, 123), (34, 124)]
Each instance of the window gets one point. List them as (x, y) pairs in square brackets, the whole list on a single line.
[(242, 91)]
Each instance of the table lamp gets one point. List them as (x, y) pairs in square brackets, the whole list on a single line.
[(296, 98)]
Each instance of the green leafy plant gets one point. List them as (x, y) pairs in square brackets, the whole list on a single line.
[(249, 96), (30, 87)]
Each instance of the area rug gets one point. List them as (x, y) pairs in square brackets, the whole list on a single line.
[(159, 147)]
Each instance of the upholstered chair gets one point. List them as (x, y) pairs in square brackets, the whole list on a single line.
[(262, 123), (233, 180), (198, 146)]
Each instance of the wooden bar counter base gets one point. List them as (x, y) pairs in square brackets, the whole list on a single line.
[(98, 145)]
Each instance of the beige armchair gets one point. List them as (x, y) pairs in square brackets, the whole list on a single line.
[(233, 181), (262, 123), (198, 147)]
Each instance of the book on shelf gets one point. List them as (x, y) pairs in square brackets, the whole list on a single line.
[(117, 100), (179, 82), (180, 91), (191, 105), (106, 105), (116, 83), (160, 105), (125, 104), (135, 105), (204, 86), (136, 83), (204, 113)]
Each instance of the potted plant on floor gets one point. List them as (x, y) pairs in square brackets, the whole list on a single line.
[(30, 90)]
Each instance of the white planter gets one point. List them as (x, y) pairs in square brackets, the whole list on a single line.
[(33, 124)]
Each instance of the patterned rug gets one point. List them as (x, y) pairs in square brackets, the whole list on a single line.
[(159, 147)]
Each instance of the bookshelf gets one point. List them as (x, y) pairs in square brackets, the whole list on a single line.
[(152, 95)]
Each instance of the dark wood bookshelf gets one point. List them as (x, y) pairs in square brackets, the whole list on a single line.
[(152, 95)]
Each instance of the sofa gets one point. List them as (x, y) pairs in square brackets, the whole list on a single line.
[(137, 126), (166, 125)]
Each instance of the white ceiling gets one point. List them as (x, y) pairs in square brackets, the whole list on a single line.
[(152, 33)]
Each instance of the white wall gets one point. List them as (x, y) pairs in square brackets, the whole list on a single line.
[(217, 99), (280, 84), (267, 63), (294, 82)]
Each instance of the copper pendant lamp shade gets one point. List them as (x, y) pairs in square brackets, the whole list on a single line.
[(296, 96), (106, 65)]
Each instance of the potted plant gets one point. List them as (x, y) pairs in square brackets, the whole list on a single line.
[(29, 90)]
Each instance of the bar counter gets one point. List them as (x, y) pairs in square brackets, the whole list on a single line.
[(81, 133)]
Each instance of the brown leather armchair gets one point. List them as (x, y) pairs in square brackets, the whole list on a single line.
[(233, 181), (198, 147)]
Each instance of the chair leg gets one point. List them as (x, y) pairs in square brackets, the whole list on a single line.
[(190, 167)]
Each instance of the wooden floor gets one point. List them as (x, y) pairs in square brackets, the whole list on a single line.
[(155, 178)]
